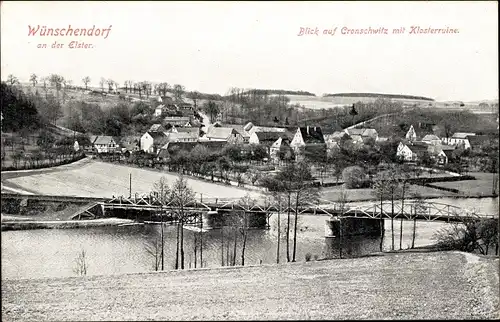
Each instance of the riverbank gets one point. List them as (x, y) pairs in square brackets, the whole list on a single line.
[(27, 223), (439, 285), (479, 188)]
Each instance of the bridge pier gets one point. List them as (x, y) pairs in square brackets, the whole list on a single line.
[(218, 219), (212, 219), (352, 227)]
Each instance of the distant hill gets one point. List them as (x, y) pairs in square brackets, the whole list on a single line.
[(378, 95), (279, 91)]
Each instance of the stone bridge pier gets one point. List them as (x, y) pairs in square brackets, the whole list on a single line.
[(353, 226)]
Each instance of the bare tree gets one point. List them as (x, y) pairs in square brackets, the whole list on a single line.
[(162, 192), (12, 80), (342, 204), (381, 192), (155, 249), (195, 96), (34, 79), (101, 83), (56, 81), (45, 80), (247, 203), (146, 86), (181, 195), (178, 92), (110, 83), (81, 265), (280, 202), (86, 82)]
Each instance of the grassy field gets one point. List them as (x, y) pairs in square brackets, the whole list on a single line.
[(482, 186), (333, 193), (441, 285), (99, 179)]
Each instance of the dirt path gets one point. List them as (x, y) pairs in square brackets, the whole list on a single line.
[(396, 286)]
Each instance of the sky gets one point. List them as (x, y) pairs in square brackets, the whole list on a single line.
[(213, 46)]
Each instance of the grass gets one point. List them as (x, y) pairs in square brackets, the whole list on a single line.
[(393, 286), (18, 223), (482, 186), (333, 193), (100, 179)]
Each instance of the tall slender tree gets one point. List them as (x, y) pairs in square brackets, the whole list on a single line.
[(181, 196)]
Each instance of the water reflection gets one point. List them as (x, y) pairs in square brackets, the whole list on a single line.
[(114, 250)]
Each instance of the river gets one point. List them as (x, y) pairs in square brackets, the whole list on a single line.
[(49, 253)]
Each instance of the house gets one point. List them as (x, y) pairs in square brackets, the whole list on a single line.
[(189, 136), (130, 144), (157, 128), (448, 150), (265, 138), (151, 141), (225, 134), (477, 142), (194, 130), (309, 142), (237, 127), (431, 139), (281, 144), (159, 110), (364, 133), (460, 139), (437, 153), (411, 152), (336, 136), (90, 146), (411, 135), (106, 144), (185, 106), (177, 120), (273, 141), (250, 128)]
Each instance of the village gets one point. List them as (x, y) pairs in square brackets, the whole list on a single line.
[(280, 144)]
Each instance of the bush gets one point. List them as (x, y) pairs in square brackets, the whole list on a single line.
[(308, 257), (355, 177), (469, 236)]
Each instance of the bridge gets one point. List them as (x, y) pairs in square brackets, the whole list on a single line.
[(411, 210)]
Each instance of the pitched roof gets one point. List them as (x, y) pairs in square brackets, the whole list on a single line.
[(104, 139), (167, 100), (477, 140), (270, 137), (418, 147), (157, 135), (430, 137), (362, 132), (448, 147), (222, 133), (462, 135), (337, 135), (188, 130), (92, 138), (312, 134), (239, 128), (175, 136), (156, 128)]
